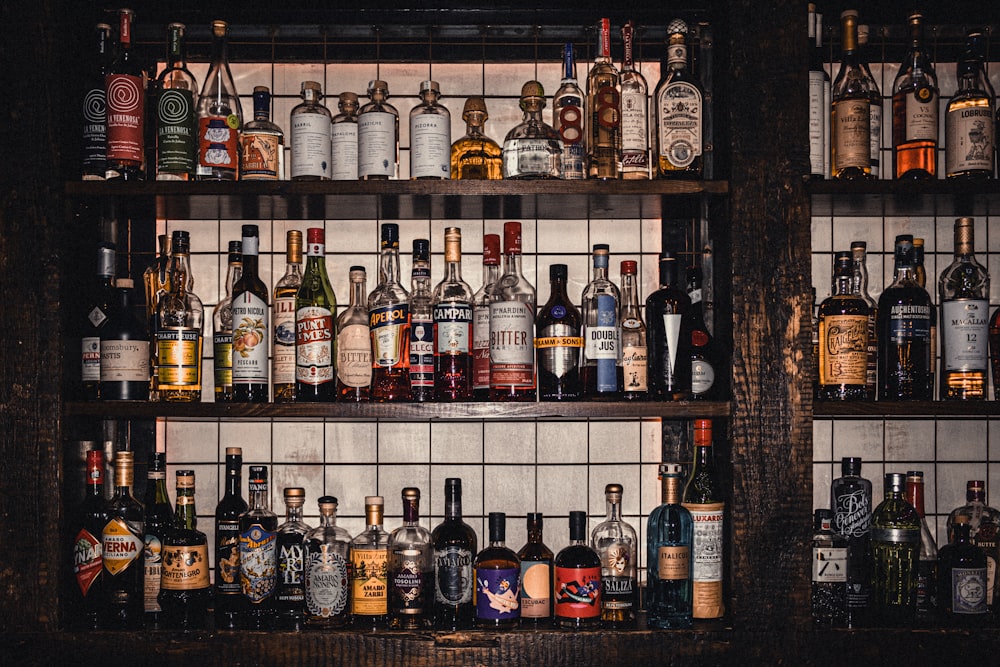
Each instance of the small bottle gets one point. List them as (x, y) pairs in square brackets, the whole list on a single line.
[(481, 318), (896, 553), (258, 544), (819, 99), (284, 321), (577, 587), (844, 320), (176, 124), (327, 570), (668, 343), (984, 527), (344, 139), (309, 127), (635, 113), (125, 351), (86, 598), (315, 333), (537, 577), (829, 573), (915, 109), (498, 577), (185, 590), (369, 570), (601, 365), (475, 156), (633, 336), (679, 104), (421, 324), (669, 533), (156, 282), (616, 543), (927, 569), (558, 342), (178, 336), (964, 579), (94, 156), (220, 114), (604, 110), (969, 129), (354, 344), (452, 315), (122, 552), (228, 593), (262, 142), (705, 500), (290, 595), (851, 498), (222, 320), (159, 522), (532, 149), (411, 569), (250, 327), (512, 319), (389, 323), (102, 301), (430, 135), (568, 119), (859, 287), (125, 95), (851, 120), (707, 364), (378, 135), (455, 547)]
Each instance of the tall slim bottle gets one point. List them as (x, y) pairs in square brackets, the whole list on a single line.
[(178, 336), (290, 596), (94, 160), (537, 577), (577, 590), (532, 149), (829, 572), (844, 320), (454, 550), (86, 600), (668, 342), (601, 365), (262, 142), (927, 568), (604, 110), (481, 318), (102, 300), (185, 590), (819, 99), (222, 321), (122, 549), (915, 109), (969, 128), (679, 112), (176, 124), (851, 499), (430, 135), (309, 127), (707, 360), (344, 139), (850, 121), (421, 324), (558, 343), (315, 332), (284, 321), (258, 555), (369, 570), (905, 319), (220, 115), (635, 113), (227, 590), (159, 522), (669, 534), (354, 344), (124, 351), (250, 327), (895, 551), (411, 569), (452, 313), (512, 320), (327, 570), (705, 500), (616, 543), (634, 361), (568, 119), (389, 323), (497, 574), (156, 282), (378, 135), (125, 94), (859, 287)]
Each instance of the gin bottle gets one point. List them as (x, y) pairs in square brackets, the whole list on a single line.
[(258, 542), (915, 109), (668, 340), (616, 543), (568, 119), (635, 113), (178, 334), (220, 114), (964, 579), (497, 580), (315, 333), (124, 351), (454, 550), (601, 367), (284, 320), (369, 570), (176, 125), (452, 304), (558, 342), (354, 345), (262, 142), (604, 110), (309, 127), (532, 149), (344, 139), (633, 335), (829, 573), (984, 529), (389, 322), (327, 570), (481, 318), (970, 133), (537, 577), (512, 320), (669, 534), (185, 590), (411, 569), (679, 112), (430, 135), (421, 324), (290, 595), (475, 156), (222, 321), (896, 552), (851, 499), (378, 135)]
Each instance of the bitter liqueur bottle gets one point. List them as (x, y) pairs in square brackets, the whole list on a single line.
[(411, 569), (178, 336), (430, 135), (497, 580), (124, 351), (706, 356), (851, 499), (262, 142), (963, 584), (633, 335), (101, 302), (315, 333), (378, 135), (228, 593), (635, 113), (481, 318), (969, 130), (87, 598), (537, 576), (669, 534), (668, 341), (905, 317), (829, 573), (185, 592), (94, 160), (327, 570), (309, 127), (290, 596), (512, 319), (984, 528), (159, 522), (452, 313), (354, 345), (704, 499), (156, 281), (558, 342), (421, 324), (475, 156), (176, 124), (122, 552), (222, 321), (604, 110), (915, 109), (896, 553), (125, 95), (844, 320), (532, 149), (819, 99), (455, 547), (389, 323), (601, 365), (369, 570), (577, 579), (220, 115), (568, 119), (616, 543), (679, 104), (344, 139), (859, 287), (964, 292), (258, 545), (927, 569), (851, 121), (250, 327), (284, 321)]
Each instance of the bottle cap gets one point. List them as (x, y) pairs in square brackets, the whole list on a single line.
[(219, 28), (491, 249), (558, 271), (124, 283), (234, 451), (374, 500), (895, 481), (859, 245), (613, 492), (235, 248), (498, 527), (702, 432), (577, 526), (313, 235), (535, 520), (357, 269), (185, 479), (349, 97), (377, 84), (411, 493), (512, 238), (671, 469), (915, 474), (630, 267), (249, 231), (258, 473), (430, 85), (327, 501), (850, 466), (390, 235), (677, 27), (474, 104), (312, 85), (453, 486), (294, 492), (421, 249)]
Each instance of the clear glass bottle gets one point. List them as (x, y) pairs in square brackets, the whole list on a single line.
[(537, 577), (122, 549), (262, 142), (185, 591), (844, 319), (819, 99), (125, 95), (569, 121), (226, 585), (616, 543), (258, 571), (124, 351), (354, 344), (452, 315), (577, 590), (389, 322), (558, 342), (707, 357), (455, 547), (86, 598), (668, 342), (315, 332), (98, 309), (896, 556), (283, 321), (378, 135), (344, 139), (94, 139), (850, 120), (430, 135), (915, 109), (859, 287), (250, 326), (927, 568), (984, 528), (512, 320), (874, 106), (497, 585), (481, 318), (995, 352), (679, 112), (310, 127), (532, 149), (475, 156), (601, 365), (179, 332), (369, 570), (964, 576), (421, 324), (829, 573), (669, 534), (633, 335), (604, 110), (851, 499), (176, 125), (159, 522), (220, 114), (704, 498), (290, 594), (969, 128), (411, 569), (222, 321), (635, 113), (155, 281), (327, 570)]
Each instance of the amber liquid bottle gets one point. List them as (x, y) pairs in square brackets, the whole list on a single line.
[(452, 313), (122, 548), (536, 577), (389, 322), (843, 338), (915, 110), (185, 593)]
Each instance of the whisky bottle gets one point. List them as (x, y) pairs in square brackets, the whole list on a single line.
[(601, 364), (421, 324), (707, 362), (851, 100), (284, 321), (455, 547), (704, 499), (327, 570), (250, 327), (185, 591), (430, 135), (86, 598), (859, 287), (156, 282), (635, 113), (101, 302), (125, 94), (964, 576), (843, 338), (669, 533), (679, 104), (344, 139), (927, 568), (262, 142), (851, 499), (829, 573), (178, 336), (378, 135), (452, 304), (315, 332), (874, 106), (220, 115), (475, 156), (481, 318), (222, 322), (176, 125), (122, 552), (995, 352), (310, 127), (896, 552), (984, 528), (532, 149), (604, 110), (568, 119), (512, 319), (668, 342), (228, 593), (915, 109), (389, 323), (969, 129), (537, 577), (290, 594), (819, 99), (558, 342), (577, 589), (159, 522), (354, 344), (258, 545), (497, 574), (964, 295), (919, 270), (633, 335), (369, 575), (616, 543), (124, 351), (411, 569), (94, 154)]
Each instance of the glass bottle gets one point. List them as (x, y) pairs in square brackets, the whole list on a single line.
[(475, 156), (156, 282), (668, 343), (851, 499), (86, 597), (497, 574), (389, 322), (411, 569), (98, 309), (679, 109), (874, 106), (125, 351), (185, 593), (290, 594), (378, 135), (327, 570), (984, 528), (995, 352), (532, 149), (354, 345), (969, 129), (815, 343), (122, 551), (222, 320), (843, 337), (315, 332), (635, 113), (262, 142), (250, 327), (481, 318), (669, 534), (896, 552), (452, 314), (220, 115), (94, 156), (919, 271), (964, 295), (512, 319), (616, 543), (421, 324), (455, 547), (927, 567), (604, 110), (258, 571), (369, 570), (125, 95), (859, 287), (915, 109), (284, 321), (228, 593), (633, 335), (707, 364), (577, 589), (819, 99), (905, 314), (705, 500), (176, 126), (964, 579), (558, 343), (159, 522), (850, 121), (537, 577), (178, 336), (344, 139), (568, 119), (310, 126), (829, 573), (430, 135), (601, 364)]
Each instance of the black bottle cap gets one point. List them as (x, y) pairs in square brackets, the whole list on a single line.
[(250, 230), (235, 247), (850, 465), (895, 481), (327, 500), (843, 264), (668, 269), (498, 527), (390, 235), (558, 271), (577, 526), (357, 268), (258, 473), (158, 462), (534, 520), (421, 249), (452, 488)]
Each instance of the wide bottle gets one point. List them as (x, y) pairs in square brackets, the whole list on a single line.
[(984, 529), (512, 320), (604, 110), (310, 126), (327, 570), (452, 313), (844, 320), (283, 370), (389, 323), (964, 579), (577, 590), (378, 135), (532, 149), (454, 550), (558, 343), (475, 156), (344, 139), (430, 135), (679, 112), (178, 336), (315, 333), (220, 114), (250, 327), (185, 590), (616, 543), (411, 569), (915, 109), (497, 580), (601, 365), (668, 341), (354, 345), (369, 570), (669, 534), (262, 142)]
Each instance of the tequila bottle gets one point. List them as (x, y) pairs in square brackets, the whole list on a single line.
[(354, 345), (635, 113), (915, 109), (220, 114), (421, 324), (604, 110), (283, 320), (344, 139), (669, 534), (829, 572), (568, 119), (616, 543), (411, 569), (290, 595), (378, 135), (185, 591), (327, 570), (679, 103), (222, 321), (512, 320), (452, 313), (315, 333), (532, 149), (633, 335), (896, 551), (475, 156), (176, 125), (369, 570), (601, 367), (309, 127), (178, 336), (970, 133), (481, 318), (430, 135), (389, 323), (262, 142)]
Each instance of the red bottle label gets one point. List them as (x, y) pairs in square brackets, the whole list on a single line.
[(578, 592), (217, 142), (125, 104), (86, 560)]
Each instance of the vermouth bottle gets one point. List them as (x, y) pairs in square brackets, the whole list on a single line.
[(704, 499), (532, 149), (378, 135), (122, 551), (558, 342), (707, 361), (284, 321), (220, 115), (309, 127), (227, 590), (537, 576), (915, 109), (844, 320), (475, 156), (430, 135), (512, 320), (185, 591), (95, 115), (452, 313), (577, 590), (159, 522), (178, 337), (895, 551), (354, 345), (262, 142), (633, 335), (327, 570), (568, 119), (829, 572), (156, 282), (454, 550), (679, 105), (344, 139), (86, 600), (421, 324), (290, 596), (176, 125), (970, 132), (497, 580), (819, 100), (616, 543), (635, 113), (669, 534), (258, 546), (859, 287), (222, 320), (851, 499), (668, 342), (927, 568), (250, 327), (315, 332), (481, 318), (601, 366), (984, 529), (964, 576), (850, 121), (604, 110), (125, 94), (124, 351), (369, 570), (389, 323), (102, 300), (411, 569)]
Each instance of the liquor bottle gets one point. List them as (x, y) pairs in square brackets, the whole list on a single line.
[(159, 522), (984, 528), (290, 595), (829, 573), (344, 139), (124, 351), (309, 127), (635, 113), (250, 327), (706, 357), (452, 303), (455, 547), (475, 156), (874, 106), (315, 333), (905, 314), (558, 342), (819, 99), (258, 555), (704, 499), (851, 114), (222, 322), (178, 336), (604, 110), (815, 343), (669, 534), (851, 499), (101, 302), (919, 271), (927, 567), (601, 364), (969, 130), (633, 336), (915, 109), (369, 570), (327, 570), (421, 324), (844, 319), (94, 156), (964, 295), (90, 520), (228, 593), (497, 572), (512, 319), (378, 135), (125, 93), (668, 342), (963, 583), (859, 287), (995, 352), (430, 135), (156, 282), (122, 551), (569, 121), (176, 126), (481, 318), (410, 569), (185, 591), (679, 104), (389, 323), (616, 544), (354, 345), (896, 556), (577, 588), (532, 149), (220, 115), (537, 577), (262, 142)]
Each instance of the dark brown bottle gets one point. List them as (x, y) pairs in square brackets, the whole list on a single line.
[(707, 362), (185, 591), (85, 598), (843, 338), (251, 327), (498, 577), (537, 577), (122, 549), (124, 351), (454, 549), (159, 521), (668, 339), (258, 556), (558, 343), (228, 594), (101, 300), (577, 579)]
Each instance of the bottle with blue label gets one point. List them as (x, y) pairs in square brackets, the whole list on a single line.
[(962, 579), (602, 358), (258, 555), (498, 580)]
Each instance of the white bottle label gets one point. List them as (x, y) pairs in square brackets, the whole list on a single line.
[(680, 108), (635, 133), (922, 115), (965, 332), (90, 368), (354, 356), (284, 341), (672, 332), (377, 144), (453, 328), (969, 139), (313, 345), (344, 147), (818, 84), (124, 360), (430, 146), (250, 338), (634, 367), (706, 547), (310, 145), (528, 157), (512, 353), (481, 348), (875, 138), (829, 565), (601, 342), (851, 122), (326, 583)]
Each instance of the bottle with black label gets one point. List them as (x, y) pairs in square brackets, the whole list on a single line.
[(558, 342), (851, 498), (615, 541), (159, 520), (290, 596), (228, 594), (411, 569), (454, 549)]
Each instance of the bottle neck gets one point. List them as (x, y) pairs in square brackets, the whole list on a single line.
[(474, 124), (859, 275), (420, 276), (388, 265), (915, 495), (158, 482), (411, 512), (670, 489), (703, 456), (627, 62), (453, 508), (491, 273), (185, 517), (569, 67), (181, 279), (842, 284), (614, 510), (600, 270), (315, 266), (512, 264), (373, 519), (259, 496), (630, 295), (176, 57), (358, 292), (534, 534), (293, 512), (250, 261), (328, 518), (233, 480), (232, 275)]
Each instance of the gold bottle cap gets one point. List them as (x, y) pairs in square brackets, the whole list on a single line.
[(219, 28), (293, 246), (532, 89), (261, 89), (474, 104), (294, 492), (453, 244), (234, 451), (613, 492), (185, 479), (348, 96), (312, 85), (124, 283), (124, 468)]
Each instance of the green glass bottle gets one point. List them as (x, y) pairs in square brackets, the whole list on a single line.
[(315, 334), (896, 556)]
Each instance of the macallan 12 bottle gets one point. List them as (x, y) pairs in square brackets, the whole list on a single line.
[(389, 323), (452, 313), (512, 325)]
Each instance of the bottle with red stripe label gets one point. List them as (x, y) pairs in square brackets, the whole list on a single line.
[(125, 93), (315, 335), (578, 579)]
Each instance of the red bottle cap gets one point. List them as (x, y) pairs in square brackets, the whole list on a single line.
[(315, 235), (491, 249), (630, 266), (512, 238)]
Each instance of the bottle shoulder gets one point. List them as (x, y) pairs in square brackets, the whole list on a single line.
[(410, 536), (496, 558), (577, 555)]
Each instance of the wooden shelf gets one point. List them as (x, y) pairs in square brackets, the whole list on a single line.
[(915, 198), (909, 409)]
